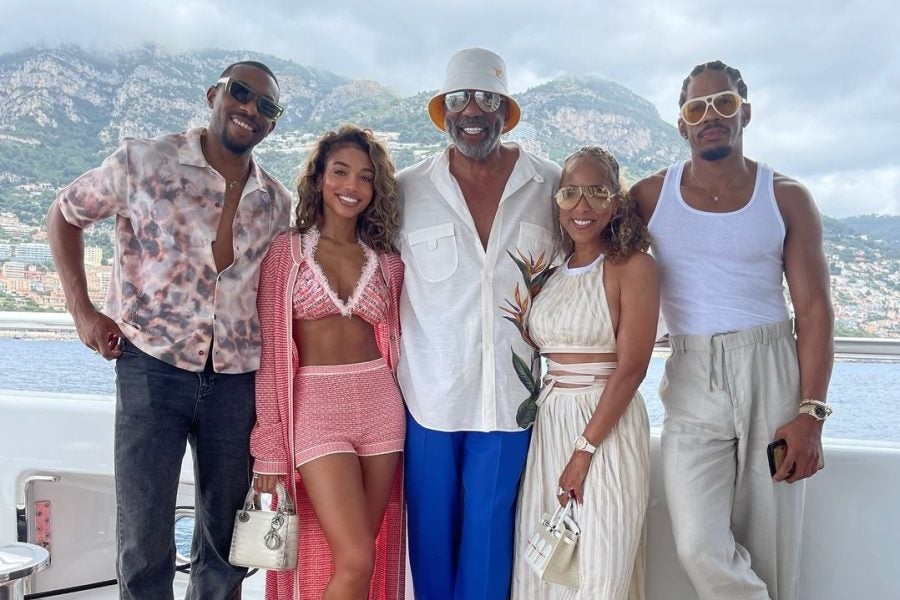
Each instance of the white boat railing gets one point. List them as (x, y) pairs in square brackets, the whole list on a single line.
[(56, 456), (845, 348)]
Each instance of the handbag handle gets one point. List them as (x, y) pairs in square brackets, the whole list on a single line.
[(564, 516), (285, 503)]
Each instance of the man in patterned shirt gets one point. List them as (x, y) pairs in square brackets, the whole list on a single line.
[(194, 218)]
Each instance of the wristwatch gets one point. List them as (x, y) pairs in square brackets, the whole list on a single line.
[(582, 443), (816, 409)]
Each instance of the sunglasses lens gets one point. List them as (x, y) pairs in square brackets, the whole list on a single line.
[(567, 197), (595, 191), (269, 108), (693, 111), (599, 202), (598, 197), (240, 92), (726, 104), (456, 101), (487, 101)]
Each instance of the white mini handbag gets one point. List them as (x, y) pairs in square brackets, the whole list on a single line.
[(552, 551), (265, 539)]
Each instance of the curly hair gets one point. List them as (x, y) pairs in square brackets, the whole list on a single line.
[(378, 224), (626, 232), (716, 65)]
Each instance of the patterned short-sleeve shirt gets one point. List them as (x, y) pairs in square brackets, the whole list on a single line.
[(165, 292)]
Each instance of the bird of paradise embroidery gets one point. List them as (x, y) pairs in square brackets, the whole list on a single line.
[(534, 274)]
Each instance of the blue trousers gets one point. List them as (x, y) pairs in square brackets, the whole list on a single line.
[(461, 490), (159, 409)]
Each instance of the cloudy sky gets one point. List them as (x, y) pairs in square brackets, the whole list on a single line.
[(824, 76)]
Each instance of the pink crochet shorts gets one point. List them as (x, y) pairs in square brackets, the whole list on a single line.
[(347, 408)]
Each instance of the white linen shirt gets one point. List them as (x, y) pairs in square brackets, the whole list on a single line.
[(456, 366)]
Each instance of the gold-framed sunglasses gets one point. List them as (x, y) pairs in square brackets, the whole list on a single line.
[(243, 93), (487, 101), (726, 103), (598, 196)]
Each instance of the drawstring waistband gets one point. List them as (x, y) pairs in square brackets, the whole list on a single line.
[(583, 375), (717, 345)]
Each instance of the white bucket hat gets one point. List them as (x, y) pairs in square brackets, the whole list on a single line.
[(474, 69)]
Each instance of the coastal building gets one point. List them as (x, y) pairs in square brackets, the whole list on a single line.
[(34, 253)]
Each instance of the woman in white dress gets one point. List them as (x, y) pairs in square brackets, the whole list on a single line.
[(595, 322)]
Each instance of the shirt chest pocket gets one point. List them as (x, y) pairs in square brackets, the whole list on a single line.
[(535, 242), (434, 251)]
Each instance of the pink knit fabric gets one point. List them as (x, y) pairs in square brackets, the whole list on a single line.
[(338, 403), (269, 441), (314, 298)]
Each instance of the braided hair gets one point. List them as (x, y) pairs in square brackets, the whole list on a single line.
[(717, 65)]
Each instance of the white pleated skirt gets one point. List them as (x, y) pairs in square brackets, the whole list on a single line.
[(616, 491)]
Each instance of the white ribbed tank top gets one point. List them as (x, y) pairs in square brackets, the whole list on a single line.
[(720, 272)]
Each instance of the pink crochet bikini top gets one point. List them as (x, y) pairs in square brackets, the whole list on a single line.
[(314, 299)]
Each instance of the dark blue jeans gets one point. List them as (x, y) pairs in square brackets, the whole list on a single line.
[(158, 409)]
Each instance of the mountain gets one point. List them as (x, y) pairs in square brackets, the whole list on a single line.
[(883, 228), (63, 109)]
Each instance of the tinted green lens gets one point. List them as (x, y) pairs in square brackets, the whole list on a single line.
[(240, 92), (243, 93), (268, 108)]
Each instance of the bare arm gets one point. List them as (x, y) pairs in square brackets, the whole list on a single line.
[(806, 271), (97, 331), (635, 335), (646, 194)]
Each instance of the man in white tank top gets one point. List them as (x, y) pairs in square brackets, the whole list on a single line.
[(741, 374)]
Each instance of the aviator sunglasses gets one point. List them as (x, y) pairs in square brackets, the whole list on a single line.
[(457, 101), (725, 103), (597, 196), (243, 93)]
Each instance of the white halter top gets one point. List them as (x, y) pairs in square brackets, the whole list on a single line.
[(570, 314)]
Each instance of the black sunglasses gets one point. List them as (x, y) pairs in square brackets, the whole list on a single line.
[(243, 93)]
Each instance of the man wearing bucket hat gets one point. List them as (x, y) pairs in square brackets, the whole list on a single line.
[(476, 223)]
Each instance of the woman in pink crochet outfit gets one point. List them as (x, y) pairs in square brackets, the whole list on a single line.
[(328, 407)]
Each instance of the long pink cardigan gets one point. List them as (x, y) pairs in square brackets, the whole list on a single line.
[(271, 445)]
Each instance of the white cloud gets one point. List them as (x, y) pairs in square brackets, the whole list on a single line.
[(824, 76), (857, 192)]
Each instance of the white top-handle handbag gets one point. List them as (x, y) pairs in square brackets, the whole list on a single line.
[(265, 539), (552, 551)]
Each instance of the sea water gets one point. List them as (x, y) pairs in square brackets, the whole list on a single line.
[(865, 395)]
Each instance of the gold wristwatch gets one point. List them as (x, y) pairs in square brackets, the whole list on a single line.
[(816, 409)]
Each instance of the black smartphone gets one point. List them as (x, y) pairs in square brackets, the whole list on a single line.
[(776, 452)]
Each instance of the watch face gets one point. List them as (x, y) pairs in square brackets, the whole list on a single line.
[(580, 443), (821, 413)]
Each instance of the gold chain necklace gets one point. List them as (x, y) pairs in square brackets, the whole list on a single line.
[(232, 184), (243, 178), (715, 197)]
